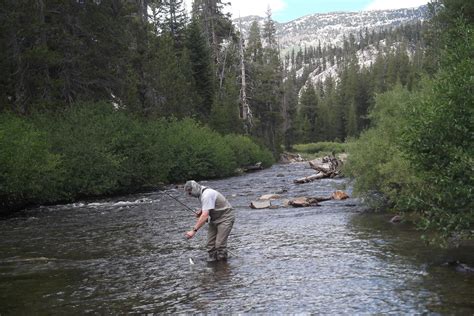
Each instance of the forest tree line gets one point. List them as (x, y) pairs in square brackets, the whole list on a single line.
[(113, 96), (108, 96)]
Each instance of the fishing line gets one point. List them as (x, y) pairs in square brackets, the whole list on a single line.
[(190, 209), (187, 207)]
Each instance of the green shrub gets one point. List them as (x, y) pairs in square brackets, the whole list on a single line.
[(438, 139), (380, 171), (246, 152), (197, 152), (92, 149), (28, 170), (86, 136), (145, 159)]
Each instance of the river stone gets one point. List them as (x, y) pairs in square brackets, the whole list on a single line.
[(303, 202), (396, 219), (269, 197), (339, 195), (260, 204)]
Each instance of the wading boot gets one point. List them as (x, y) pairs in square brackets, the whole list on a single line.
[(221, 255), (212, 256)]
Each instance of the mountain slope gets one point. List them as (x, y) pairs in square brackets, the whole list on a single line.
[(331, 28)]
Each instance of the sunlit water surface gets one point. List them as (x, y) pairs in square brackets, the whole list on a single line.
[(128, 255)]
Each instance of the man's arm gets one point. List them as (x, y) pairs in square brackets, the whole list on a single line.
[(200, 222)]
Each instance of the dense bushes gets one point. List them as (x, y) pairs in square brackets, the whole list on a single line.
[(94, 149), (438, 139), (419, 155), (28, 168), (246, 152), (383, 175)]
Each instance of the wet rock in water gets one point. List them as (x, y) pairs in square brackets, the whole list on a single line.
[(281, 191), (304, 202), (269, 197), (260, 204), (339, 195), (280, 203), (280, 175), (459, 266), (396, 219)]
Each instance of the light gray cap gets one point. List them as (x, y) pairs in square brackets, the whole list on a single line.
[(194, 187)]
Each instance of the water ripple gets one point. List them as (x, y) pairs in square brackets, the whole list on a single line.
[(129, 255)]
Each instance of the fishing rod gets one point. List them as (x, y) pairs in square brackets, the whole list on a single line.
[(187, 207), (191, 261)]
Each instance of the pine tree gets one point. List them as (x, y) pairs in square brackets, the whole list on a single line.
[(308, 112), (175, 19), (290, 103), (270, 95), (202, 70)]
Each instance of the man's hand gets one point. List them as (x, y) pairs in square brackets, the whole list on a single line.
[(190, 234)]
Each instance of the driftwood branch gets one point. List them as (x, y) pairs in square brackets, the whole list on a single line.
[(326, 167), (311, 178), (308, 201), (255, 167)]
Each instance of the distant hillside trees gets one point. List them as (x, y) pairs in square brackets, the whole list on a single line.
[(343, 102)]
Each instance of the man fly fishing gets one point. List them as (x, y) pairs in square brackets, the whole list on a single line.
[(218, 212)]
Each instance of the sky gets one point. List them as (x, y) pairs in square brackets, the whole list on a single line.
[(287, 10)]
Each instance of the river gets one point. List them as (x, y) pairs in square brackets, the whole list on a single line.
[(128, 255)]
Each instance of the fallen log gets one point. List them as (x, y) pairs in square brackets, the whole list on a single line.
[(314, 201), (308, 201), (317, 176), (255, 167), (329, 165)]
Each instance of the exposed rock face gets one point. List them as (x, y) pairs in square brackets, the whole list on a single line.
[(331, 28)]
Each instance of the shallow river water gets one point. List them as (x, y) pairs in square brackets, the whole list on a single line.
[(128, 255)]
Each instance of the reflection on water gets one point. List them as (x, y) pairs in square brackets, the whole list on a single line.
[(129, 255)]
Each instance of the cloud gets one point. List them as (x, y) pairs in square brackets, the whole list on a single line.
[(249, 7), (391, 4)]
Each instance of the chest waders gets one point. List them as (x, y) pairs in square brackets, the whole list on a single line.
[(219, 228)]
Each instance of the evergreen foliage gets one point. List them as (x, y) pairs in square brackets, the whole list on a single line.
[(265, 85)]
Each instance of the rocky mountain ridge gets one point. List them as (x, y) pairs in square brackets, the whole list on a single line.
[(331, 28)]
